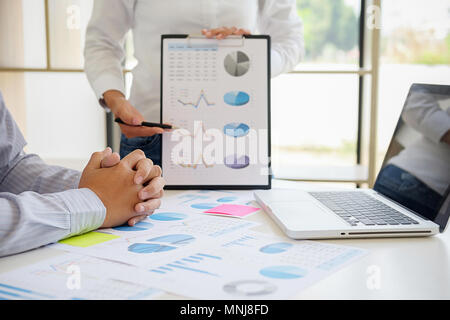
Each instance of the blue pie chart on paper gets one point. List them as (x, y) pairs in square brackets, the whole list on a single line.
[(236, 130), (140, 226), (236, 98), (276, 247), (167, 216), (149, 248), (179, 239), (203, 205), (226, 199), (283, 272)]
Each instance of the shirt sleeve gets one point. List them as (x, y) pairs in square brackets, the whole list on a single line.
[(104, 52), (27, 172), (280, 20), (422, 112), (38, 203), (30, 220)]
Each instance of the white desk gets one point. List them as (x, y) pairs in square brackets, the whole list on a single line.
[(410, 268)]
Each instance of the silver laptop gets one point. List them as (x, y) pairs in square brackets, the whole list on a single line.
[(411, 193)]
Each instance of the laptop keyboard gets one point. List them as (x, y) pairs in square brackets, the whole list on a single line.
[(358, 207)]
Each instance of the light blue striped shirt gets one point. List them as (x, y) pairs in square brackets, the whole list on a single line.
[(39, 203)]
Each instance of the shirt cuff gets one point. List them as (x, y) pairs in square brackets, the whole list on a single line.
[(108, 82), (87, 211), (276, 63)]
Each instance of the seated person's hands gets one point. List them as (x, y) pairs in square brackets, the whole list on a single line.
[(145, 172), (120, 185), (223, 32), (149, 175)]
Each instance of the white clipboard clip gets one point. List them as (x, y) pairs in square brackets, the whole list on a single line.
[(217, 43)]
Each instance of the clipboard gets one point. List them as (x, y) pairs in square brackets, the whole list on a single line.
[(218, 90)]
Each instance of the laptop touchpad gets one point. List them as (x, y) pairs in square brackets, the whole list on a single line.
[(300, 215)]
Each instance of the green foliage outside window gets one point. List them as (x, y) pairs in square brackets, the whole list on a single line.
[(329, 26)]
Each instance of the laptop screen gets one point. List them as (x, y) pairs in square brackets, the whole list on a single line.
[(416, 168)]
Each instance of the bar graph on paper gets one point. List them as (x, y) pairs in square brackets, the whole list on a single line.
[(192, 263), (50, 279)]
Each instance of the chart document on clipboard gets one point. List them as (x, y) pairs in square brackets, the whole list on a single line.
[(217, 95)]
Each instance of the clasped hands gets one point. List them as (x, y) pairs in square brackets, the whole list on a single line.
[(130, 189)]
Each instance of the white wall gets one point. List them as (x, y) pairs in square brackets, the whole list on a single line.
[(64, 120)]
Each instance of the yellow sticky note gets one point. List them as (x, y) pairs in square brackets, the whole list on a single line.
[(88, 239)]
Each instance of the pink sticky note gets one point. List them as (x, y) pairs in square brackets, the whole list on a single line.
[(235, 210)]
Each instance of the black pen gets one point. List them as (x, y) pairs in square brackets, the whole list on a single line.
[(147, 124)]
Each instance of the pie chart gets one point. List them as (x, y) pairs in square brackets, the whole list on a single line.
[(237, 63), (235, 162), (203, 205), (236, 130), (276, 247), (283, 272), (140, 226), (167, 216), (179, 239), (236, 98), (227, 199), (149, 248)]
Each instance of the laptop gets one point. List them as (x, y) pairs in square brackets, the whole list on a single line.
[(410, 196)]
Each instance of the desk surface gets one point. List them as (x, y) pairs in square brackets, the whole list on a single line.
[(408, 268)]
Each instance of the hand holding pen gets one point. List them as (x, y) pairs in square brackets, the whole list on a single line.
[(131, 119), (148, 124)]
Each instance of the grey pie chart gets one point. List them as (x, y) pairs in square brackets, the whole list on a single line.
[(237, 63)]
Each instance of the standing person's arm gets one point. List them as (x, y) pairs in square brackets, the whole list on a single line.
[(280, 20), (104, 54)]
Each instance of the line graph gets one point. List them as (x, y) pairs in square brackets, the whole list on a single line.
[(196, 104)]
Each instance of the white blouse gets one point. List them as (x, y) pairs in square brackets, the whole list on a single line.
[(148, 19)]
